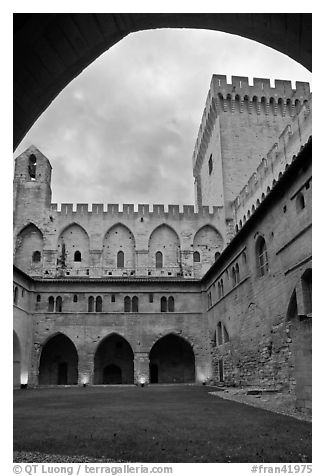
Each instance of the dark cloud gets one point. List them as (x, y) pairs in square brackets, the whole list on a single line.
[(125, 129)]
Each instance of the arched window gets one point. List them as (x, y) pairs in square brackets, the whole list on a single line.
[(99, 304), (237, 273), (127, 304), (171, 304), (75, 298), (216, 255), (135, 304), (196, 257), (91, 304), (120, 259), (261, 255), (36, 258), (159, 260), (300, 201), (38, 298), (51, 304), (219, 333), (219, 290), (244, 258), (58, 304), (32, 167), (210, 165), (221, 287), (16, 295), (77, 256), (306, 283), (163, 304)]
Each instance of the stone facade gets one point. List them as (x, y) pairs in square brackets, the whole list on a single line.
[(218, 292)]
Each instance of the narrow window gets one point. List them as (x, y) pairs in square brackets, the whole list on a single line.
[(159, 260), (171, 304), (237, 273), (77, 256), (220, 362), (210, 165), (127, 304), (262, 259), (216, 255), (58, 304), (91, 304), (113, 298), (221, 287), (38, 298), (75, 298), (196, 257), (163, 304), (99, 304), (219, 290), (150, 297), (16, 295), (32, 167), (233, 276), (135, 304), (120, 259), (36, 258), (51, 304)]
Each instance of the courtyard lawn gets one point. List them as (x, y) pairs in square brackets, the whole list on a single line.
[(154, 424)]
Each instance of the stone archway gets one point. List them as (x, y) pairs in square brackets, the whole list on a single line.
[(66, 43), (172, 361), (114, 361), (58, 362), (16, 360)]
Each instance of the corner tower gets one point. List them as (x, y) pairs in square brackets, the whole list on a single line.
[(239, 126)]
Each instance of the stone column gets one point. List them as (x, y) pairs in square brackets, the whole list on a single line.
[(141, 367)]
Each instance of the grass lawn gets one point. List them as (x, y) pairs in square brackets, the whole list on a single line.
[(154, 424)]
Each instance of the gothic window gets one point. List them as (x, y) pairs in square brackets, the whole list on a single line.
[(163, 304), (210, 165), (51, 304), (36, 258), (135, 304), (99, 304), (38, 298), (91, 304), (237, 273), (77, 256), (219, 290), (127, 304), (58, 304), (221, 287), (261, 255), (171, 304), (225, 335), (159, 260), (120, 259), (196, 257), (306, 282), (233, 276)]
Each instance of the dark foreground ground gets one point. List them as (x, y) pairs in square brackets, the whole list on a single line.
[(154, 424)]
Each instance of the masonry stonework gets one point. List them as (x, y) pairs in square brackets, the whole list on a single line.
[(219, 292)]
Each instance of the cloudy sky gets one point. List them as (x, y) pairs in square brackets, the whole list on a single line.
[(124, 130)]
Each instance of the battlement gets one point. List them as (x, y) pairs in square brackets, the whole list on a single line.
[(132, 211), (239, 96), (271, 168)]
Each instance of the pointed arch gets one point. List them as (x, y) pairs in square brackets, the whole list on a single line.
[(119, 248), (114, 361), (164, 243), (73, 247), (29, 245), (172, 360), (59, 361), (207, 242)]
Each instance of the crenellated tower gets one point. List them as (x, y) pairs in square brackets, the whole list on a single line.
[(239, 126)]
